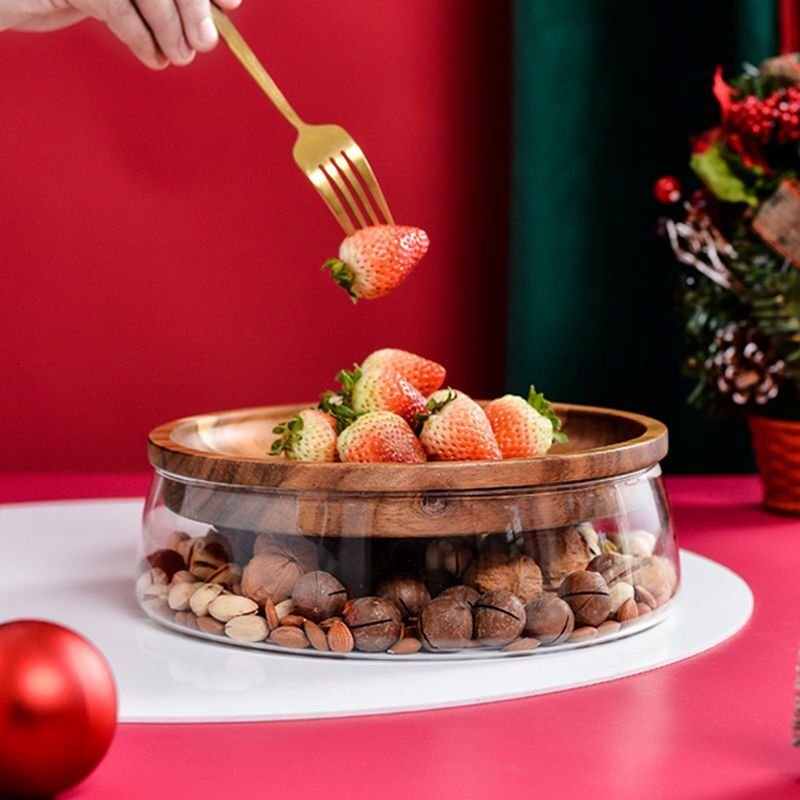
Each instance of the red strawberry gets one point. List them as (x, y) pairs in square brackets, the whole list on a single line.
[(380, 436), (308, 436), (380, 389), (426, 375), (457, 430), (373, 261), (524, 428)]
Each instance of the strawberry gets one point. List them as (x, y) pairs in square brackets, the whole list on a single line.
[(307, 436), (380, 436), (425, 375), (524, 428), (373, 261), (456, 429), (379, 389)]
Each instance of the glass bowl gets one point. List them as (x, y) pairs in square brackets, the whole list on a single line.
[(456, 560)]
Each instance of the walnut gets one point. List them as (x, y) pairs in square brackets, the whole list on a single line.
[(519, 575), (559, 552), (273, 571)]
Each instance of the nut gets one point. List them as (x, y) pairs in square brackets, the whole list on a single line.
[(167, 560), (284, 608), (340, 639), (289, 636), (180, 594), (619, 593), (499, 618), (187, 619), (318, 595), (521, 645), (205, 558), (293, 619), (185, 546), (203, 596), (558, 552), (246, 629), (642, 595), (520, 575), (227, 606), (275, 568), (549, 619), (374, 623), (627, 611), (315, 635), (464, 593), (613, 567), (226, 575), (456, 558), (409, 594), (406, 646), (583, 634), (210, 625), (446, 624), (273, 620), (156, 606), (643, 609), (588, 597), (152, 583), (635, 543)]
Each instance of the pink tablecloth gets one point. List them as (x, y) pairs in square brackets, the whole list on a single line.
[(716, 726)]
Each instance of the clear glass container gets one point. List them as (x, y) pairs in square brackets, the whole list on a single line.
[(440, 573)]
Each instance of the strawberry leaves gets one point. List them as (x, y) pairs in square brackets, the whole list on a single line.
[(343, 275), (339, 404), (538, 402), (288, 434)]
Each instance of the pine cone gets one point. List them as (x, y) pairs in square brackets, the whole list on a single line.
[(743, 367)]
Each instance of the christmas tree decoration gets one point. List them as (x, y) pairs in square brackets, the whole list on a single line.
[(667, 190), (58, 708)]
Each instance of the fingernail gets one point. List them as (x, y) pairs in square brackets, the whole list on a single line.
[(184, 50), (207, 32)]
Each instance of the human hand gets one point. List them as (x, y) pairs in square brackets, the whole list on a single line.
[(159, 32)]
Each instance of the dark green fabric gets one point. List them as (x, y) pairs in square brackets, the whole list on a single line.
[(606, 95)]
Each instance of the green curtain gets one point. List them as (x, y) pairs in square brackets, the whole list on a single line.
[(606, 95)]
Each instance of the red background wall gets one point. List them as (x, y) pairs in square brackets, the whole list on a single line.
[(160, 251)]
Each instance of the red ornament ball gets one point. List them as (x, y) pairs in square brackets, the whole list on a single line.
[(58, 708), (667, 190)]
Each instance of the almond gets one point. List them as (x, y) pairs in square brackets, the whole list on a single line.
[(289, 636), (271, 614), (293, 619), (583, 634), (608, 627), (627, 611), (315, 634), (203, 596), (227, 606), (521, 644), (180, 594), (405, 647), (327, 623), (643, 595), (249, 628), (340, 639)]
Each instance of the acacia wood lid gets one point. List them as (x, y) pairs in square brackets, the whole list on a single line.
[(231, 448)]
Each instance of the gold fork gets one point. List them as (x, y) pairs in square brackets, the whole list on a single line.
[(327, 154)]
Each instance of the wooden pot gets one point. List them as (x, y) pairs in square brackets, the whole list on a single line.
[(215, 468), (777, 446)]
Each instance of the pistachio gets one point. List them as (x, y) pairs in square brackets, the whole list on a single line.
[(206, 558), (210, 625), (289, 636), (180, 594), (619, 593), (187, 619), (203, 596), (635, 543), (152, 583), (175, 539), (284, 608), (225, 607), (249, 628), (156, 606), (227, 575), (183, 576)]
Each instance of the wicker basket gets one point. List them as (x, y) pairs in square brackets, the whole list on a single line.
[(777, 446)]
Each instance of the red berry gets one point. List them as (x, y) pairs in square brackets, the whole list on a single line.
[(667, 190)]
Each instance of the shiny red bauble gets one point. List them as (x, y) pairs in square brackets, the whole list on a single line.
[(667, 190), (58, 708)]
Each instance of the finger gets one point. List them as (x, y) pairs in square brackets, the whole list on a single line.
[(228, 4), (126, 24), (164, 21), (198, 26)]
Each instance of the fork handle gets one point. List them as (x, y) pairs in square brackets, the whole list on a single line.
[(227, 30)]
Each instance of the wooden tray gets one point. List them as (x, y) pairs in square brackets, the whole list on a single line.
[(216, 469)]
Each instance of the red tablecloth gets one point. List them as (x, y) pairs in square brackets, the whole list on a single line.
[(715, 726)]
